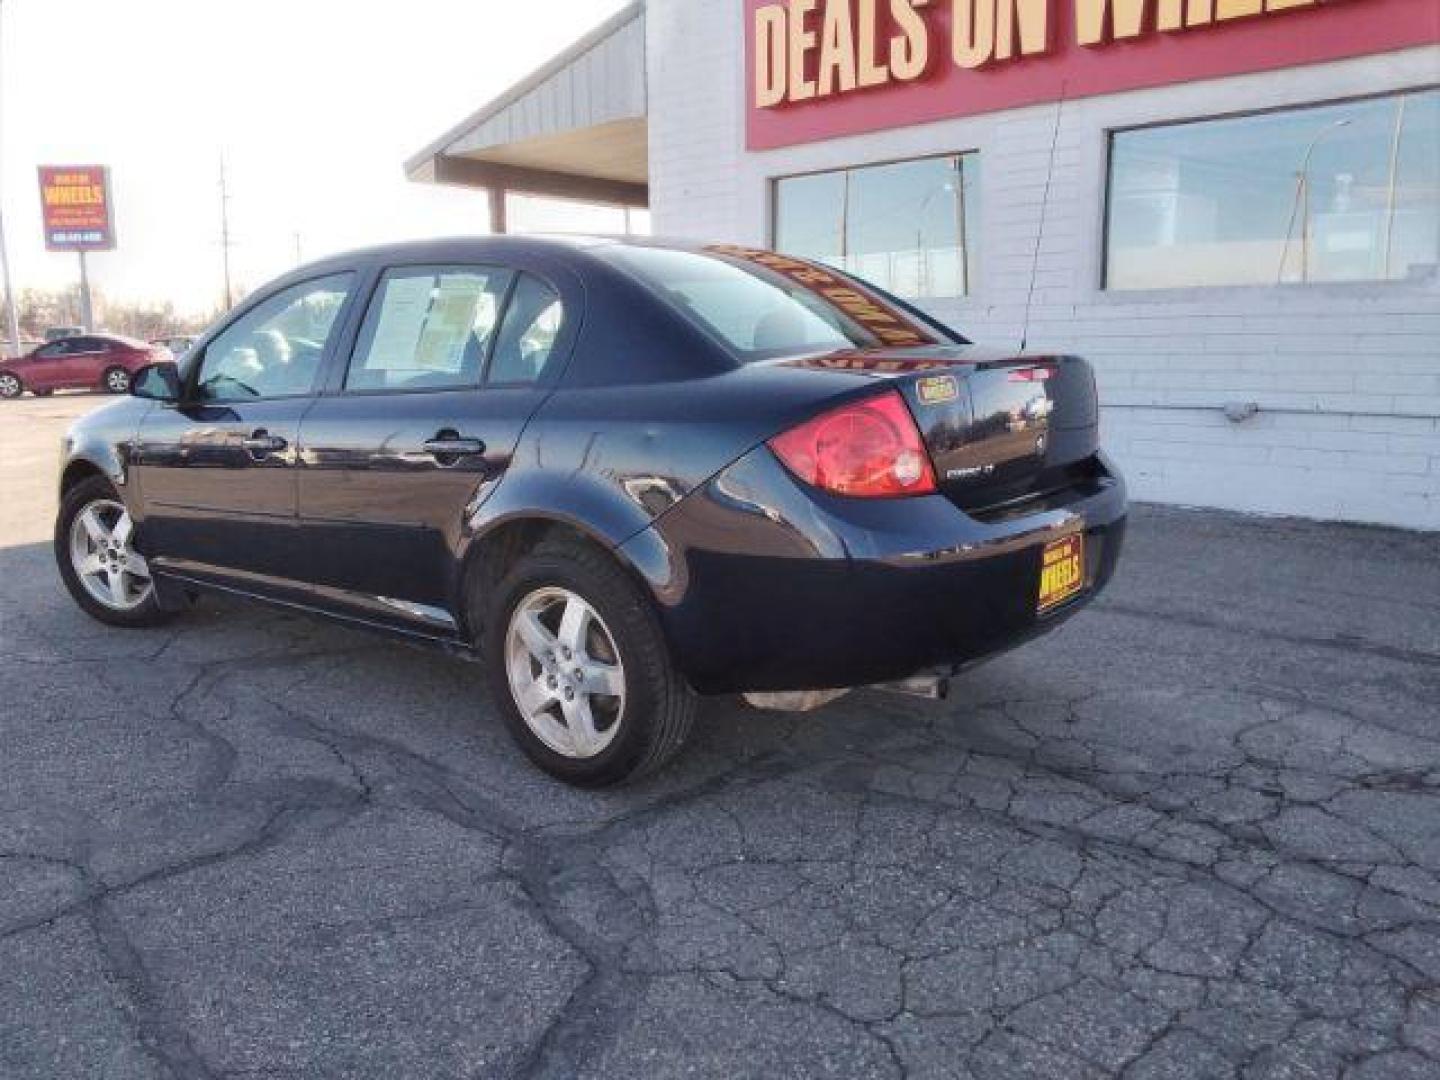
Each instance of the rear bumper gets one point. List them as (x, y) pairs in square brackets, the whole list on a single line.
[(764, 585)]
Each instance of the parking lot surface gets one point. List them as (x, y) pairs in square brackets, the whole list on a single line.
[(1195, 833)]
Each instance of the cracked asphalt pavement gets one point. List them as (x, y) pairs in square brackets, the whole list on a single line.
[(1195, 833)]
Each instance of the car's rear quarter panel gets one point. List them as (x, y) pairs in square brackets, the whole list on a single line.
[(765, 585)]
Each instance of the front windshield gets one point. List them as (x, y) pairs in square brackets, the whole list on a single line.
[(764, 305)]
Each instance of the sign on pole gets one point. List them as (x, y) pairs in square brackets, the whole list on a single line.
[(75, 202)]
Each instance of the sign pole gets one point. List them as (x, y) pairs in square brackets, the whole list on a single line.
[(12, 320), (87, 312)]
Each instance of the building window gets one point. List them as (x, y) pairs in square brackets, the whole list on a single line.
[(1347, 192), (911, 227)]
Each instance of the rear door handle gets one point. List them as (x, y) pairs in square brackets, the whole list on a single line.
[(262, 442), (445, 445)]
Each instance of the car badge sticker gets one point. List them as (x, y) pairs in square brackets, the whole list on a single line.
[(938, 389)]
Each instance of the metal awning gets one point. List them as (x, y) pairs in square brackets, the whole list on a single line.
[(575, 129)]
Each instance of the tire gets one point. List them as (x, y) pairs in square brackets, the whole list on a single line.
[(643, 728), (116, 380), (10, 386), (141, 606)]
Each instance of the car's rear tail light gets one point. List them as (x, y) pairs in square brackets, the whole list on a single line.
[(869, 449)]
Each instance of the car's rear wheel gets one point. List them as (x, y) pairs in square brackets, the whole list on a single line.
[(10, 386), (117, 381), (94, 548), (580, 669)]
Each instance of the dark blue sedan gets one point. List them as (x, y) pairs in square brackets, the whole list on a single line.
[(619, 474)]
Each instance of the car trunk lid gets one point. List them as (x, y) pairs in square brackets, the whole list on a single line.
[(999, 427)]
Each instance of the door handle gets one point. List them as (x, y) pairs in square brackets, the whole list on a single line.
[(448, 445), (262, 442)]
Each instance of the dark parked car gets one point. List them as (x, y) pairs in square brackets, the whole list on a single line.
[(89, 362), (617, 473)]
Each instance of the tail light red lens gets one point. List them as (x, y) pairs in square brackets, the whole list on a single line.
[(868, 449), (1034, 374)]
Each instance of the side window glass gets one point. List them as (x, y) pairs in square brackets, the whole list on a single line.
[(51, 351), (274, 350), (428, 327), (527, 339)]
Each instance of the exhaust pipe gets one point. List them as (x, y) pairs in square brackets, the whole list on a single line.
[(930, 687)]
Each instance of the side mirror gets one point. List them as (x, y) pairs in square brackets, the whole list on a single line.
[(157, 382)]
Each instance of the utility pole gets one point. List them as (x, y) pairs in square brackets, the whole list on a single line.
[(12, 321), (225, 234)]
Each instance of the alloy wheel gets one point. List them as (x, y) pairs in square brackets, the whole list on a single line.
[(117, 382), (565, 672), (9, 386), (104, 559)]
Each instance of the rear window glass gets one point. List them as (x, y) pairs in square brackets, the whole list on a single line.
[(527, 340), (765, 305)]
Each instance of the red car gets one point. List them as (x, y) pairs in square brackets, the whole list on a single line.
[(88, 362)]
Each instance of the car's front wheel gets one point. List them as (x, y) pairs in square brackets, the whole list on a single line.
[(117, 381), (580, 669), (10, 386), (94, 548)]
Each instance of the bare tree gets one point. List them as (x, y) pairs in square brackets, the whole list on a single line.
[(41, 308)]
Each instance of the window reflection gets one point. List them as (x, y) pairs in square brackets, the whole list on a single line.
[(910, 227), (1347, 192), (274, 350)]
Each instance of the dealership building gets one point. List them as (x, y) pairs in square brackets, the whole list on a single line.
[(1232, 207)]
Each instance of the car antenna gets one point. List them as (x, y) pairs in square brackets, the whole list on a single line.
[(1044, 207)]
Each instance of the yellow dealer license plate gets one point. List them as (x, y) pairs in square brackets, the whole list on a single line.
[(1062, 570)]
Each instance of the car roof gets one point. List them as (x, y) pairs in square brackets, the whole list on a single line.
[(103, 335), (640, 344), (497, 245)]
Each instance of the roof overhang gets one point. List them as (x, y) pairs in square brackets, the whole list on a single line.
[(575, 129)]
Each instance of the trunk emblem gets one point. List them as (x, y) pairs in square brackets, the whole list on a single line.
[(938, 389)]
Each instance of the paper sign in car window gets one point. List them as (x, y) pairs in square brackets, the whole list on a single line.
[(453, 308), (402, 319)]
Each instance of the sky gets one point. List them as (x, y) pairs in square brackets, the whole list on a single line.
[(314, 105)]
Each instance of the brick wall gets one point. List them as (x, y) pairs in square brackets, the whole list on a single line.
[(697, 114), (1347, 377)]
